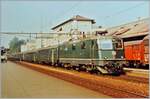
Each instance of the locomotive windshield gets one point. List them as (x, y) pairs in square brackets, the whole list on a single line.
[(106, 44)]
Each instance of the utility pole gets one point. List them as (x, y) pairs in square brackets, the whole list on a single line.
[(139, 18), (30, 36), (58, 51), (41, 31)]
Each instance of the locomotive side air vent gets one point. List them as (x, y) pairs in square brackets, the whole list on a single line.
[(83, 45), (73, 46)]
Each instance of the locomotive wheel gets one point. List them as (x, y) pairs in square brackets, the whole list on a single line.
[(60, 64), (65, 66), (56, 65), (74, 67), (98, 73), (77, 69), (69, 68)]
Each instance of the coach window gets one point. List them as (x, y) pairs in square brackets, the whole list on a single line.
[(73, 46), (83, 45), (92, 43), (66, 49)]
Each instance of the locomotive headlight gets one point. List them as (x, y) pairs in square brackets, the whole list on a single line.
[(105, 57), (113, 52)]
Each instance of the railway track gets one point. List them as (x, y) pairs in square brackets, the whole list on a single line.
[(105, 88), (130, 78), (121, 93), (134, 79)]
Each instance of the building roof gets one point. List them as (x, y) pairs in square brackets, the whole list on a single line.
[(146, 37), (134, 35), (77, 18), (136, 28)]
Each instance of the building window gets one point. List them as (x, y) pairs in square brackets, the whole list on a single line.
[(60, 29)]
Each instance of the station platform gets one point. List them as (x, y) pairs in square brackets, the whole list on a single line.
[(21, 82), (137, 72)]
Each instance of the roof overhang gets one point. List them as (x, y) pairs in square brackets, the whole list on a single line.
[(132, 42), (134, 35)]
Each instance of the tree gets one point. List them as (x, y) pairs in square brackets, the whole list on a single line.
[(15, 45)]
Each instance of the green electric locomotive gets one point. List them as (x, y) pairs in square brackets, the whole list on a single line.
[(98, 54)]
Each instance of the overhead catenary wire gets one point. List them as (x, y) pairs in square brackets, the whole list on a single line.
[(51, 33), (123, 10), (56, 33), (64, 13), (17, 34), (120, 12)]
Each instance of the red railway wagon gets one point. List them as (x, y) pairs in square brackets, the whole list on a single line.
[(146, 50), (137, 53)]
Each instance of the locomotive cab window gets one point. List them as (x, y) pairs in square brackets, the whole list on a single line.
[(118, 44)]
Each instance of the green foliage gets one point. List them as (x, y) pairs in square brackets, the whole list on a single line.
[(15, 45)]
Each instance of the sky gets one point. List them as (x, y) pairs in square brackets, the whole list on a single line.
[(36, 16)]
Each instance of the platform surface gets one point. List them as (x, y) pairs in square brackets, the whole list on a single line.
[(20, 82)]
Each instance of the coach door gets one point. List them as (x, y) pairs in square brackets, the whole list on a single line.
[(52, 56), (33, 57)]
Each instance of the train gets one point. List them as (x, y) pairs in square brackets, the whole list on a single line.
[(137, 53), (97, 54), (146, 51), (3, 55)]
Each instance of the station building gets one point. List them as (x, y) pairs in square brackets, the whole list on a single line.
[(77, 22)]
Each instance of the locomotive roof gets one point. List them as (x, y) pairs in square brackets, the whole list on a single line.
[(70, 42), (90, 38)]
